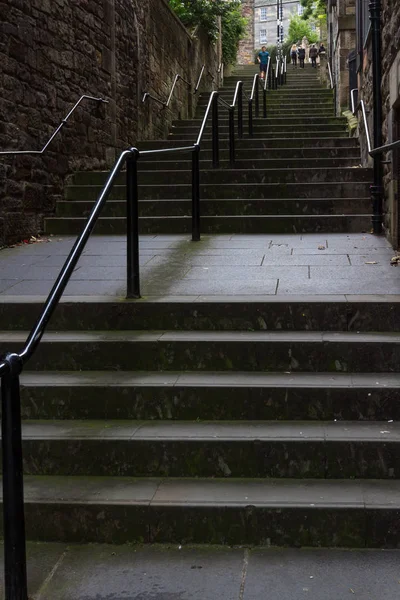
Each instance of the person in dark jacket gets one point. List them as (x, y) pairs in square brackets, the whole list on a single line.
[(313, 56), (322, 49), (293, 55), (302, 54)]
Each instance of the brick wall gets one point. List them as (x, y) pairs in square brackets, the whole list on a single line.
[(52, 52)]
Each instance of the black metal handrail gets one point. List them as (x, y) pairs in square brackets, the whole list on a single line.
[(167, 102), (12, 364), (56, 131), (385, 148), (199, 79)]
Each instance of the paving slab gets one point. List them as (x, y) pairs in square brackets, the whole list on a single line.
[(58, 571), (42, 558), (147, 573), (220, 266), (322, 574)]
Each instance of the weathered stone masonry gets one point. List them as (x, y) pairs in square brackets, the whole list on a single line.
[(52, 52)]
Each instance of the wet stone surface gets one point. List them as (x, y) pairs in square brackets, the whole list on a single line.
[(218, 265), (179, 572)]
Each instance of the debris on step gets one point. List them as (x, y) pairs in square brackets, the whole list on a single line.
[(395, 260)]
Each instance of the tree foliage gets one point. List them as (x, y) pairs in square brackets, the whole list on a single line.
[(314, 9), (299, 28), (205, 13)]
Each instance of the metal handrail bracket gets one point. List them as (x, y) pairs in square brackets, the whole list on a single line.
[(61, 125)]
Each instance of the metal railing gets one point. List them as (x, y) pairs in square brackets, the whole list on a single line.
[(168, 101), (11, 366), (355, 106), (385, 148), (57, 130), (199, 79), (354, 102), (330, 74), (221, 73)]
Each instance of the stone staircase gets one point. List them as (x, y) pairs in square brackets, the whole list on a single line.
[(209, 421), (217, 420), (298, 173)]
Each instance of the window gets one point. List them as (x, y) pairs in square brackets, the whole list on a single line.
[(263, 36), (300, 9), (263, 13)]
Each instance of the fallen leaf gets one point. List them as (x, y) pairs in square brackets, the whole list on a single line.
[(321, 247)]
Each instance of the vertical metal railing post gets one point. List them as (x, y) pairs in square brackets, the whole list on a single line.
[(215, 133), (232, 136), (15, 579), (257, 97), (285, 69), (132, 227), (240, 111), (264, 103), (250, 117), (196, 193), (273, 79)]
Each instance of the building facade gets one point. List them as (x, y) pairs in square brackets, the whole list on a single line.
[(246, 45), (265, 20), (366, 59)]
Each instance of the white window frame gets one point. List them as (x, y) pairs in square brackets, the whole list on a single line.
[(263, 14), (263, 36), (300, 9)]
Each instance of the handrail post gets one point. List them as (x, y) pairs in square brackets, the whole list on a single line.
[(240, 111), (215, 133), (257, 97), (250, 117), (132, 226), (196, 193), (264, 103), (15, 578), (232, 136), (273, 79)]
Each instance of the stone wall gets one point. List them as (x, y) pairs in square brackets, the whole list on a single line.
[(342, 39), (52, 52), (246, 45), (390, 23)]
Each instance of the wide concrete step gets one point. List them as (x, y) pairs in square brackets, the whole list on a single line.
[(209, 313), (250, 224), (279, 449), (307, 174), (280, 206), (313, 189), (317, 158), (278, 112), (299, 119), (219, 351), (259, 128), (274, 512), (151, 395), (255, 144), (190, 138), (320, 156)]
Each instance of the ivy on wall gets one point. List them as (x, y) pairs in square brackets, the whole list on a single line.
[(205, 13)]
